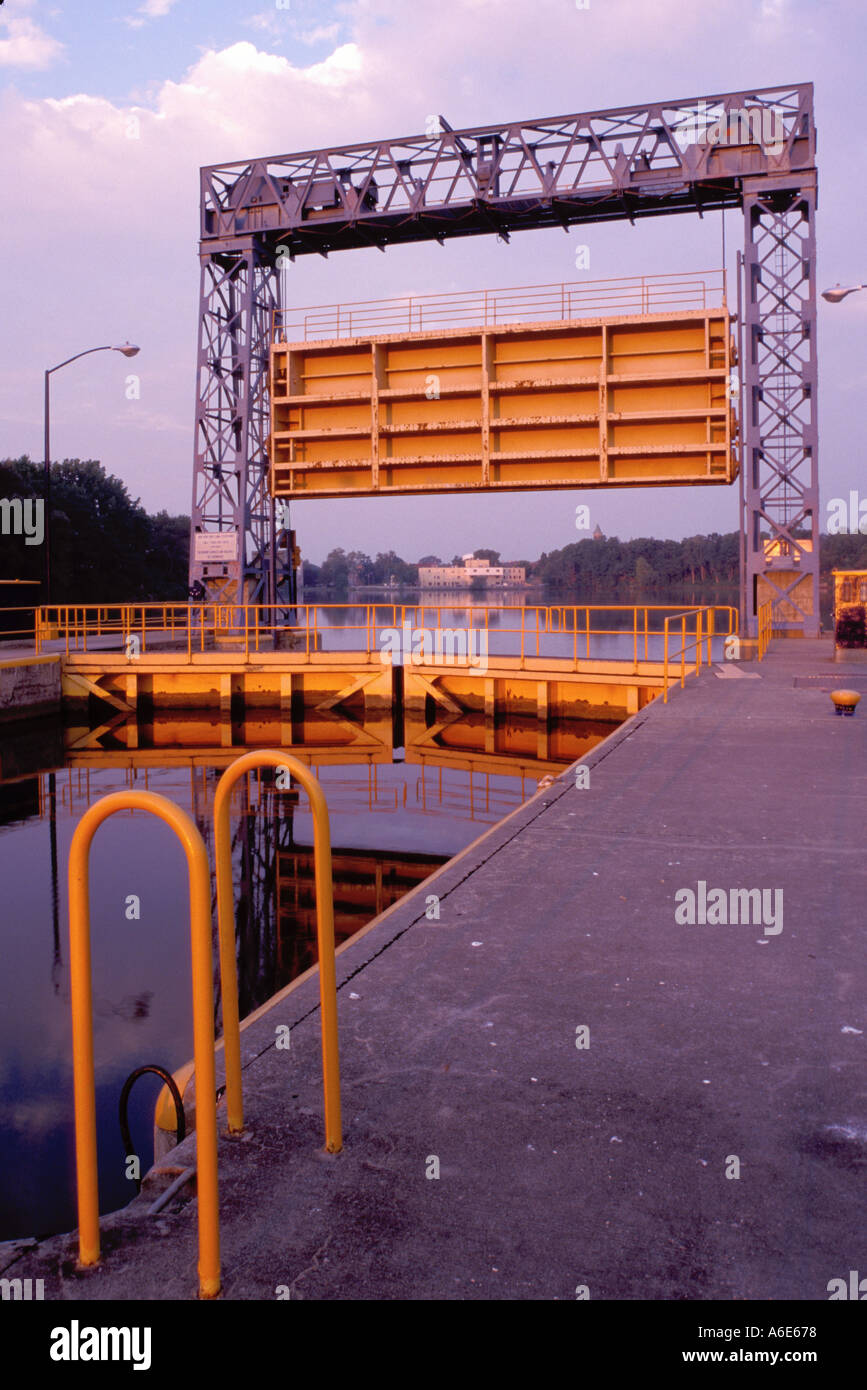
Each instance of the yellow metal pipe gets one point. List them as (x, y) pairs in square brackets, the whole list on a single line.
[(203, 1032), (78, 622), (665, 663), (275, 757)]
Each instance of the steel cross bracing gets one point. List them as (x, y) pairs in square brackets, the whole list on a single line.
[(780, 438), (690, 155), (239, 294)]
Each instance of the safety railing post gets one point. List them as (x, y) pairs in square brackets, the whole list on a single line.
[(203, 1028), (665, 662), (275, 757)]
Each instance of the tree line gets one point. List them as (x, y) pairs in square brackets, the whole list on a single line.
[(592, 566), (106, 548)]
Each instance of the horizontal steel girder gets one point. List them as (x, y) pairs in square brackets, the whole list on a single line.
[(681, 156)]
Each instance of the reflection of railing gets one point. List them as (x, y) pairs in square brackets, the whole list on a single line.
[(476, 799), (203, 1027), (635, 294), (475, 794), (311, 629)]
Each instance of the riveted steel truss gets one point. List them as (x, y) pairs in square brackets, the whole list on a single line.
[(751, 149), (233, 551), (780, 525)]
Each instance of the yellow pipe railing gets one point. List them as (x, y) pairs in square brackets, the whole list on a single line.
[(766, 627), (275, 757), (255, 625), (203, 1027), (705, 631), (24, 634)]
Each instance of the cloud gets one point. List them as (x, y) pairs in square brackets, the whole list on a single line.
[(151, 9), (27, 46), (126, 177), (37, 1117), (105, 219), (322, 34)]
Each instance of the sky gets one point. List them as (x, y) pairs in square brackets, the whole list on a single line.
[(108, 110)]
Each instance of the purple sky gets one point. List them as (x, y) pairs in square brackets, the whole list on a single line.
[(108, 111)]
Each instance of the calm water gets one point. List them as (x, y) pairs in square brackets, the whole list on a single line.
[(397, 812), (518, 625), (394, 819)]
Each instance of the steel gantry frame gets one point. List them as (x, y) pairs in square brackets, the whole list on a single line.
[(753, 150)]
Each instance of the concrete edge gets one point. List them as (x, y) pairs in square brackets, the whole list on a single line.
[(408, 910), (29, 660)]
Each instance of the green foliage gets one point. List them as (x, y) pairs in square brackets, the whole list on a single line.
[(600, 566), (339, 570), (104, 546), (843, 553)]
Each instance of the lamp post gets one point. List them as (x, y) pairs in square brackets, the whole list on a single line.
[(128, 350), (838, 292)]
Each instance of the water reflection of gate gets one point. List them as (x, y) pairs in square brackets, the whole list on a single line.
[(366, 882), (461, 766)]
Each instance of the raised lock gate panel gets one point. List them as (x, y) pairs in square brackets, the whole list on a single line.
[(626, 400)]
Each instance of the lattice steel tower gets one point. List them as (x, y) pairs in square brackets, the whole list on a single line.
[(753, 150)]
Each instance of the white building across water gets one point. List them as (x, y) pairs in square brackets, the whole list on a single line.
[(473, 569)]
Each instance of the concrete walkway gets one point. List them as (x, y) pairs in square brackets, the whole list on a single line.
[(710, 1046)]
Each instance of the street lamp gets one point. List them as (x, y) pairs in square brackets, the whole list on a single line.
[(128, 350), (838, 292)]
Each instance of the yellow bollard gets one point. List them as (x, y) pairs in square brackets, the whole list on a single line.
[(275, 757), (203, 1028)]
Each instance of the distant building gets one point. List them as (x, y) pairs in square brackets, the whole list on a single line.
[(462, 576), (597, 534)]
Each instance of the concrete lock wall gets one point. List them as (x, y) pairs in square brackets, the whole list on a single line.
[(29, 686)]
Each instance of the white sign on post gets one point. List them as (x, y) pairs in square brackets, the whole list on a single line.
[(216, 546)]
